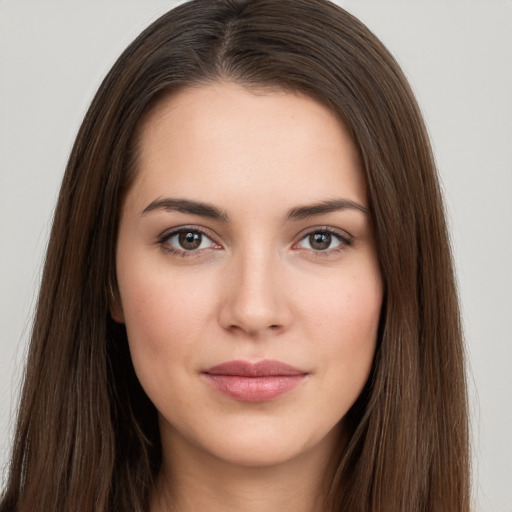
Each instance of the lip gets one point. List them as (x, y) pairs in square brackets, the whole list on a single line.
[(254, 382)]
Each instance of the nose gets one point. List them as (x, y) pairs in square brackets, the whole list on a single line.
[(255, 299)]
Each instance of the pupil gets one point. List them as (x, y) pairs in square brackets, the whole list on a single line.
[(320, 241), (190, 240)]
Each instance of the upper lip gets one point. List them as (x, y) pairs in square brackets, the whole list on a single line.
[(264, 368)]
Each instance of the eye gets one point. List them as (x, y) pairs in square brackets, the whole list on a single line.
[(324, 240), (186, 241)]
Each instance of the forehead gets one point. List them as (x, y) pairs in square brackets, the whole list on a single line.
[(224, 141)]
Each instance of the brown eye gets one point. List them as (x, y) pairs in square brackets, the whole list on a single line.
[(187, 242), (320, 241), (190, 240), (324, 241)]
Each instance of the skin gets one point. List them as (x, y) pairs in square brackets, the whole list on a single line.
[(257, 287)]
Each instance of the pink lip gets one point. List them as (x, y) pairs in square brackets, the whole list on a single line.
[(254, 382)]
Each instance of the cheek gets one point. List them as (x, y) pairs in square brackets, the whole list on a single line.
[(163, 315), (343, 318), (347, 306)]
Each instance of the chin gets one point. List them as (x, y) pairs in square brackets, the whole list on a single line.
[(258, 454), (267, 446)]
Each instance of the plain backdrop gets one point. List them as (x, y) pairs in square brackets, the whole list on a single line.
[(458, 57)]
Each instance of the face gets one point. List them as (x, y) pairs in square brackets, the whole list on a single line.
[(248, 276)]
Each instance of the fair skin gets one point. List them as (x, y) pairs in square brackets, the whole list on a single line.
[(256, 275)]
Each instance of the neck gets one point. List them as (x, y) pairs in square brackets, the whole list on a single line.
[(192, 480)]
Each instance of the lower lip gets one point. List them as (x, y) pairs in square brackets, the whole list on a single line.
[(254, 389)]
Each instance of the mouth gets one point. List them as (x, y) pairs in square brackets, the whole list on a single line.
[(254, 382)]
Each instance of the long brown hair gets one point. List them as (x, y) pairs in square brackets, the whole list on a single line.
[(87, 436)]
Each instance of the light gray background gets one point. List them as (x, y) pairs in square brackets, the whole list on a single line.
[(458, 57)]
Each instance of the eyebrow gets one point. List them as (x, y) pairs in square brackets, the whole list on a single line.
[(186, 206), (331, 205), (207, 210)]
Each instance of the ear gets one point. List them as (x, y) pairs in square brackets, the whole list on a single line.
[(116, 307)]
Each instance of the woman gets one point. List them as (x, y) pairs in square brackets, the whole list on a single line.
[(248, 300)]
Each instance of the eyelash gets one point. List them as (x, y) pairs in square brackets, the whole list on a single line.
[(344, 240), (163, 241)]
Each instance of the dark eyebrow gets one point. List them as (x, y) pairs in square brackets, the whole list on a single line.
[(186, 206), (332, 205), (212, 212)]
